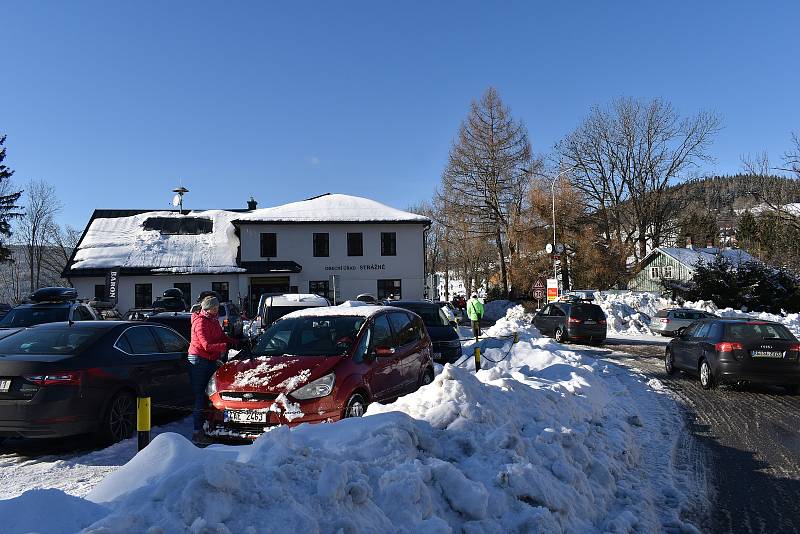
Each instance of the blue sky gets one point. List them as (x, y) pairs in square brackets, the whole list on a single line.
[(115, 103)]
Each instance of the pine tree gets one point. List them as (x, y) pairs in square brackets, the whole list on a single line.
[(8, 204)]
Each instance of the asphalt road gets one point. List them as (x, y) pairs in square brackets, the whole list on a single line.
[(748, 438)]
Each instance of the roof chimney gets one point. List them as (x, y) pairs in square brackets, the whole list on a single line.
[(689, 242), (252, 204)]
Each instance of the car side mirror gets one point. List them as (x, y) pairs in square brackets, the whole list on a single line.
[(383, 351)]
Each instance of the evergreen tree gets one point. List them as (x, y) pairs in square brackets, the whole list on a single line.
[(8, 204)]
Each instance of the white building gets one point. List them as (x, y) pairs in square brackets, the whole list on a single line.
[(371, 247)]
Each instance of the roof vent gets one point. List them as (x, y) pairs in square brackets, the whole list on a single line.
[(252, 204)]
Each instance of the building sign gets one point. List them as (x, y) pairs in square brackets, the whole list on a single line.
[(112, 285), (363, 267), (552, 289)]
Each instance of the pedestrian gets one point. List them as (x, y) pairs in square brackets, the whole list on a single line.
[(208, 343), (475, 313)]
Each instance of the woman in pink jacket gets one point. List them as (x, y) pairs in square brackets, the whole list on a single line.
[(206, 347)]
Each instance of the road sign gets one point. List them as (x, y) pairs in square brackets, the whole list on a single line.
[(538, 284), (552, 289), (538, 294)]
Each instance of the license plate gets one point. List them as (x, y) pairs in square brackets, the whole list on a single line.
[(244, 416), (766, 354), (589, 321), (5, 385)]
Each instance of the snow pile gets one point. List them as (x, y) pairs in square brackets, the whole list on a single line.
[(495, 309), (514, 320), (546, 440), (790, 320), (629, 313), (47, 511)]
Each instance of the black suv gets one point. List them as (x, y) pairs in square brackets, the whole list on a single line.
[(443, 332), (734, 350), (572, 321), (49, 305)]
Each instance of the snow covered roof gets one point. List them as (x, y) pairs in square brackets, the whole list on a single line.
[(124, 242), (206, 241), (348, 309), (690, 257), (332, 207)]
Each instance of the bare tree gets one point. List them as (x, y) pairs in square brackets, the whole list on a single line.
[(763, 182), (487, 175), (624, 157), (37, 226)]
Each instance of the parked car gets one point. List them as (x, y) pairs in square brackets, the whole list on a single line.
[(733, 350), (667, 322), (366, 297), (572, 321), (181, 322), (171, 300), (318, 365), (60, 379), (441, 329), (230, 318), (138, 314), (272, 307), (4, 309), (453, 313), (49, 305)]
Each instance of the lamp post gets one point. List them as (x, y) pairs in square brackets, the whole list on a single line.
[(553, 194)]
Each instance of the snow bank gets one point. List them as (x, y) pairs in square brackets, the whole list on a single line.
[(45, 511), (546, 440), (790, 320), (629, 313), (495, 309)]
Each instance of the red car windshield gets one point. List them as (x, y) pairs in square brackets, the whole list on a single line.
[(309, 336)]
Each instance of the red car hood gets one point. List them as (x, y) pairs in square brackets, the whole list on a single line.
[(273, 374)]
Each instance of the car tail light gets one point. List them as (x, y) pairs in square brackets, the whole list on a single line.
[(574, 320), (728, 346), (601, 321), (664, 321), (794, 347), (66, 378)]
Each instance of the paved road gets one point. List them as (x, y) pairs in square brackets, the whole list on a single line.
[(749, 436)]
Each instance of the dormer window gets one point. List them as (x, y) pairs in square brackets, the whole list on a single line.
[(179, 225)]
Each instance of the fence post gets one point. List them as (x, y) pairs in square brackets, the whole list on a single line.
[(143, 421), (477, 353), (516, 338)]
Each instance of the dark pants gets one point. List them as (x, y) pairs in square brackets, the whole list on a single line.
[(476, 328), (200, 371)]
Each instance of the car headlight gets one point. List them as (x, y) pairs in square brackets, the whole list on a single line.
[(318, 388), (211, 388)]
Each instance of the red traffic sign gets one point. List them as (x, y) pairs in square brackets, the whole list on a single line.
[(539, 284), (538, 294)]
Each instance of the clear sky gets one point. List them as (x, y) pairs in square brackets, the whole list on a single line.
[(115, 102)]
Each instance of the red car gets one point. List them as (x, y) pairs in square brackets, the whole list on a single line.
[(319, 365)]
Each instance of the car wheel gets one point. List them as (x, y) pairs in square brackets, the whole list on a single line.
[(119, 421), (427, 377), (559, 336), (669, 362), (356, 406), (794, 389), (706, 377)]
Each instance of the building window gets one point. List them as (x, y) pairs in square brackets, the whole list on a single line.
[(355, 244), (269, 245), (318, 287), (221, 289), (186, 289), (654, 273), (667, 271), (321, 247), (143, 295), (99, 292), (389, 289), (388, 244)]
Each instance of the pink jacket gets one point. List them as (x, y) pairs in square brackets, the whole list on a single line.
[(208, 340)]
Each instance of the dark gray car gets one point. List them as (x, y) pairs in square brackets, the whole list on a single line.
[(566, 321)]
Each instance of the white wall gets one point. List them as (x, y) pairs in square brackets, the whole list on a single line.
[(126, 298), (295, 243)]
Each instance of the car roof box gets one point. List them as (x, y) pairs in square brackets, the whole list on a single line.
[(54, 294)]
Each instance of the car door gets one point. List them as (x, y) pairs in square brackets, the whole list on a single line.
[(557, 319), (540, 319), (680, 345), (148, 367), (175, 351), (385, 376), (698, 344), (408, 349)]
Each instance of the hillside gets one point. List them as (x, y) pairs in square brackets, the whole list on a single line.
[(725, 195)]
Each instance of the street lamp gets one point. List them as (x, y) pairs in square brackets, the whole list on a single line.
[(553, 194)]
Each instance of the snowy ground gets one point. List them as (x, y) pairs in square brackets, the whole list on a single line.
[(545, 440)]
